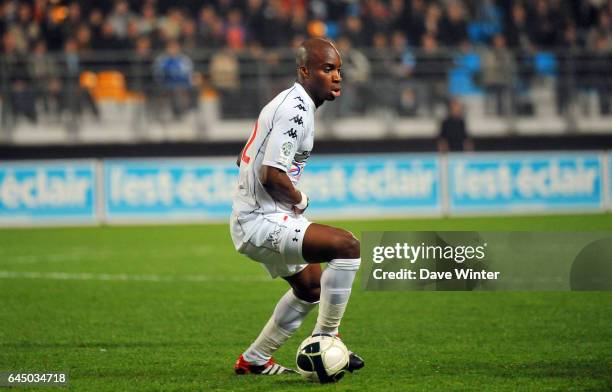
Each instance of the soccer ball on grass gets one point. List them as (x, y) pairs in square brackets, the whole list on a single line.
[(322, 358)]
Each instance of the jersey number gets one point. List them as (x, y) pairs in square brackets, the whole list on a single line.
[(245, 158)]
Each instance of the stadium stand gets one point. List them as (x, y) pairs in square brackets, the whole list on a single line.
[(101, 71)]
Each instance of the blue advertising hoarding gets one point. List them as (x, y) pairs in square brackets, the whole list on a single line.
[(47, 192), (160, 190), (182, 189), (358, 185), (192, 189), (542, 182)]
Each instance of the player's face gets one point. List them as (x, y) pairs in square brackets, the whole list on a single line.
[(325, 78)]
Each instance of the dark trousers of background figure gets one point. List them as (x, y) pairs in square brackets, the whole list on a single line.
[(565, 95), (604, 92), (75, 100), (499, 99), (48, 100), (238, 103), (18, 101), (180, 100), (429, 95)]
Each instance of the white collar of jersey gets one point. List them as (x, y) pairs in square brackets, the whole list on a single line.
[(303, 93)]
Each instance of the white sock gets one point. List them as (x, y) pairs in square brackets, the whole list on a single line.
[(288, 315), (336, 283)]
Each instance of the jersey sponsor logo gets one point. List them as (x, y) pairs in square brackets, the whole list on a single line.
[(285, 154), (295, 170), (291, 133), (286, 149), (297, 119), (301, 157)]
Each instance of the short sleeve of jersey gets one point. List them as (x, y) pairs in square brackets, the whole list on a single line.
[(286, 134)]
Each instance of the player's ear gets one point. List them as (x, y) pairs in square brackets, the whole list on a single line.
[(304, 72)]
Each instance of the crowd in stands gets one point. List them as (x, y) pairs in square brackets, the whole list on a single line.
[(401, 38)]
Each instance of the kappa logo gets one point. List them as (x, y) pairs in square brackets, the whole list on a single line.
[(297, 119), (274, 237), (299, 99), (291, 133), (301, 107)]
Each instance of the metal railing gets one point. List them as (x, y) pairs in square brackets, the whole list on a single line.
[(565, 90)]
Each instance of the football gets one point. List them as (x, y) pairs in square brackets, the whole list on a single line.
[(322, 358)]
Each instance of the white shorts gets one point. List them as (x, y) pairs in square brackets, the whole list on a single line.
[(274, 240)]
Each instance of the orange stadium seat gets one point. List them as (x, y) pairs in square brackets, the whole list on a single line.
[(88, 80), (110, 86)]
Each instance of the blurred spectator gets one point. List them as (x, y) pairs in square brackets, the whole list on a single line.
[(517, 31), (25, 30), (383, 93), (603, 28), (453, 135), (376, 18), (16, 84), (140, 81), (120, 17), (489, 19), (39, 10), (74, 18), (600, 63), (225, 77), (404, 62), (53, 30), (498, 77), (571, 70), (74, 96), (356, 75), (545, 23), (83, 38), (353, 30), (235, 32), (46, 82), (430, 75), (416, 21), (453, 26), (173, 72), (108, 40), (170, 25), (398, 15), (210, 28), (189, 36), (95, 21), (254, 20), (432, 21), (147, 21), (299, 22)]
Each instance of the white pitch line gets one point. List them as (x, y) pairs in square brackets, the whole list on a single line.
[(126, 277)]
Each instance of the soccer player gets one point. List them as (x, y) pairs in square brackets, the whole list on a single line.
[(267, 223)]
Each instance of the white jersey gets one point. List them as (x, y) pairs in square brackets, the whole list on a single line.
[(282, 138)]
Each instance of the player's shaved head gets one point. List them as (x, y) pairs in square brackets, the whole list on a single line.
[(312, 51), (318, 69)]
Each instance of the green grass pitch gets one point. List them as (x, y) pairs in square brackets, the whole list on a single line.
[(169, 308)]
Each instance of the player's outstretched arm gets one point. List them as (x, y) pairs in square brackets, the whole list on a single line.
[(279, 186)]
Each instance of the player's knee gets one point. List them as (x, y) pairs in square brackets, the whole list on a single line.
[(348, 247), (309, 293)]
